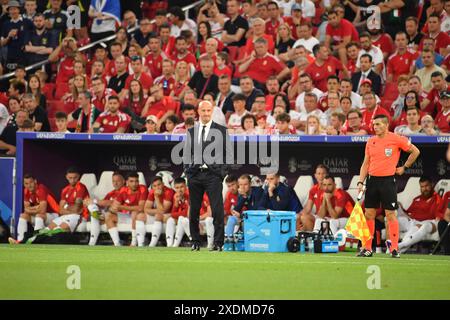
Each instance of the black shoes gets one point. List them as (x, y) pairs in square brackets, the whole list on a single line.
[(365, 253), (195, 247), (395, 254), (216, 247)]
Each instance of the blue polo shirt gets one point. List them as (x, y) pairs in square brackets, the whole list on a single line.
[(438, 59)]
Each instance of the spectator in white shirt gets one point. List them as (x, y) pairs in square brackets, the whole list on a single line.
[(373, 51), (346, 90), (179, 22), (413, 126), (235, 120), (305, 37), (306, 86), (311, 108)]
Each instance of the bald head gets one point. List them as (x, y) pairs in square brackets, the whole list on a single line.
[(205, 110)]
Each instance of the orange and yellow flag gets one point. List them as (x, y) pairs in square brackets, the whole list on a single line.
[(357, 225)]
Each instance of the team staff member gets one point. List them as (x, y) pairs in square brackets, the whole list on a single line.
[(248, 199), (379, 166), (279, 196)]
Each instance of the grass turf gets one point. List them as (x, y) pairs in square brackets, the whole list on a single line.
[(40, 272)]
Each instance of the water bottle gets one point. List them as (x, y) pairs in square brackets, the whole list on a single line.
[(302, 244), (310, 245)]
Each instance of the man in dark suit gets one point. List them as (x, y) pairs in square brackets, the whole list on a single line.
[(206, 153), (366, 72)]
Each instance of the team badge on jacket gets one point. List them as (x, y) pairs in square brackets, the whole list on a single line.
[(388, 152)]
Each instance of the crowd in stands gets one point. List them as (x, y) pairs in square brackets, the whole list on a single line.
[(269, 67)]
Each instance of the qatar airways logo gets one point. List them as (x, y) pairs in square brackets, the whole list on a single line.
[(125, 162), (336, 165)]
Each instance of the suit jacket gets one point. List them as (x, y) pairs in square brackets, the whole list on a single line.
[(218, 150), (372, 76)]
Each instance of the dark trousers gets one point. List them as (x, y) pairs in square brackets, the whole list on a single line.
[(212, 184), (445, 243)]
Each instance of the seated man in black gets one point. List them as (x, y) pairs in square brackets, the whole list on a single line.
[(36, 113), (279, 196), (248, 199)]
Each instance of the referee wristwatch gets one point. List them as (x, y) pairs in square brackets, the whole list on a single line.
[(360, 182)]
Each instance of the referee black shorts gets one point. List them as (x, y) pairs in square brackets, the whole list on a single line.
[(381, 190)]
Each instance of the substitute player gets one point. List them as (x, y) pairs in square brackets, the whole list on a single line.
[(158, 207), (38, 203), (380, 166), (126, 207), (98, 207), (178, 223)]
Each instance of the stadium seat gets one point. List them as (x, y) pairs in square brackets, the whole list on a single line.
[(90, 181), (167, 178), (338, 181), (104, 184), (353, 187), (302, 186), (52, 122), (442, 186), (412, 190), (224, 188), (48, 91), (142, 179)]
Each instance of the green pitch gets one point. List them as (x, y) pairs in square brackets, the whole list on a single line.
[(40, 272)]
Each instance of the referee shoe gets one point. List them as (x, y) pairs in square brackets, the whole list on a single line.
[(395, 254), (364, 253)]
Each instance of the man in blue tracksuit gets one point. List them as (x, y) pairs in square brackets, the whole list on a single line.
[(248, 199), (279, 196)]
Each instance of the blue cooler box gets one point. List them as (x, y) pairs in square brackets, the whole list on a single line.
[(268, 231)]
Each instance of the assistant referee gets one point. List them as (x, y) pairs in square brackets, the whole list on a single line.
[(380, 166)]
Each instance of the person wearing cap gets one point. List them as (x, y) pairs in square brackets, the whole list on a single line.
[(443, 117), (366, 73), (151, 125), (13, 36)]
